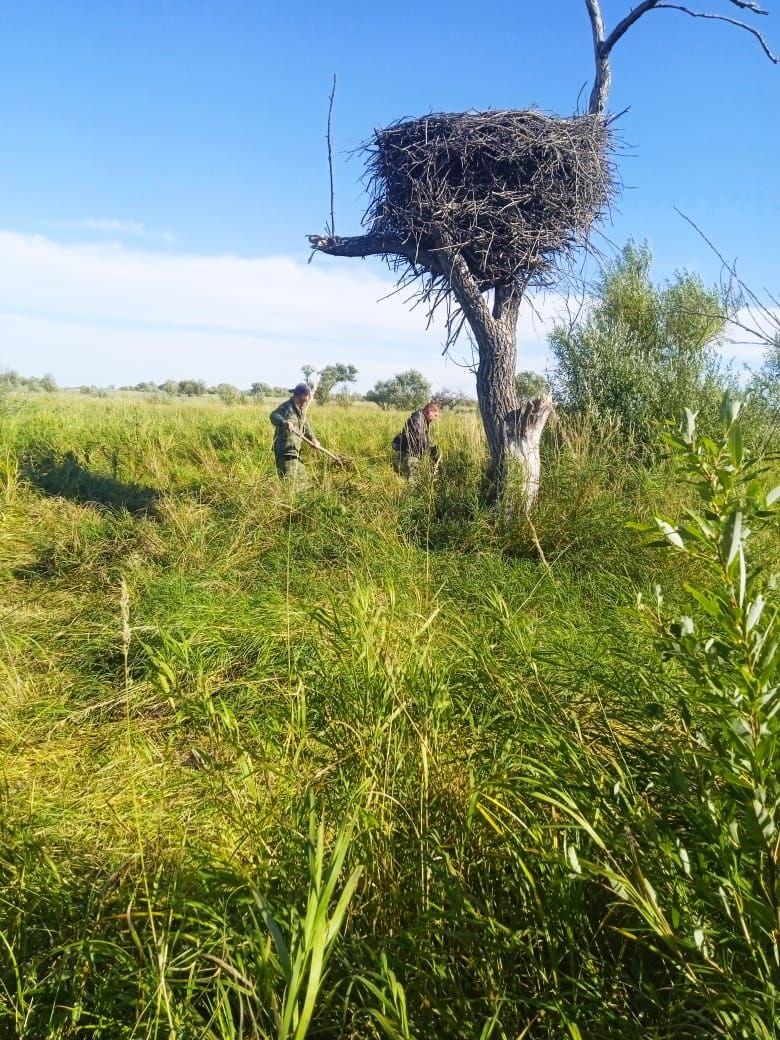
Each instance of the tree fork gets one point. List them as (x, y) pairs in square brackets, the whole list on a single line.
[(604, 43)]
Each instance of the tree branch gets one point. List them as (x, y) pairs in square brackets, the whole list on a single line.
[(358, 245), (506, 303), (332, 228), (749, 5), (502, 295), (729, 21), (603, 77), (454, 268), (603, 44), (446, 263), (596, 21), (622, 27)]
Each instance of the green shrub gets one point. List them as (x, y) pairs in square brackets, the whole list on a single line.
[(332, 376), (727, 674), (530, 384), (406, 390), (764, 387), (643, 352), (229, 394)]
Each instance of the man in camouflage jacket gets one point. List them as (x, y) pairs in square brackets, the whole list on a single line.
[(413, 443), (291, 425)]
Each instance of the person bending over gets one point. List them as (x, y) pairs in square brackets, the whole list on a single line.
[(413, 443)]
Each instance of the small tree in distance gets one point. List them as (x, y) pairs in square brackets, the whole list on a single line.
[(406, 390), (10, 380), (192, 387), (228, 394), (331, 377), (452, 399), (310, 375)]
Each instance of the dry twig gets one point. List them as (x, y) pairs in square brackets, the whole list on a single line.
[(332, 230)]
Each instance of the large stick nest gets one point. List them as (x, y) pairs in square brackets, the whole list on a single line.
[(511, 191)]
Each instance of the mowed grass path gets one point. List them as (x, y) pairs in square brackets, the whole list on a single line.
[(197, 668)]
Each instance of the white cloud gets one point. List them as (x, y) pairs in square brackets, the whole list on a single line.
[(107, 313), (112, 226), (110, 313)]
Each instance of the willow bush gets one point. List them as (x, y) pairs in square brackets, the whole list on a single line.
[(641, 352)]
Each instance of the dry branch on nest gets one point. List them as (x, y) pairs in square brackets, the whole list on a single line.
[(509, 191)]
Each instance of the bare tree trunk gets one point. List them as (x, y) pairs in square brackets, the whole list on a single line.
[(513, 433), (497, 397), (526, 426)]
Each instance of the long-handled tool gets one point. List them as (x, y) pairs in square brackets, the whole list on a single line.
[(340, 460)]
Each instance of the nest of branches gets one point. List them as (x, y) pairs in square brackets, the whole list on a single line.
[(510, 191)]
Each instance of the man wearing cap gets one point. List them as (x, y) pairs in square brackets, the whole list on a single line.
[(291, 427), (414, 442)]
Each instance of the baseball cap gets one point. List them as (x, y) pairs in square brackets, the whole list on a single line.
[(301, 389)]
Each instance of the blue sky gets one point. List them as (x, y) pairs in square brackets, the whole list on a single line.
[(163, 160)]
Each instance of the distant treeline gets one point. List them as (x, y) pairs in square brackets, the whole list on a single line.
[(408, 389)]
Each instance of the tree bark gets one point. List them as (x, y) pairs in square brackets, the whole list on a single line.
[(513, 437), (525, 428), (497, 397), (513, 433)]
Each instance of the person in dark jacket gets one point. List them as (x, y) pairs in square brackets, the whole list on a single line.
[(291, 426), (413, 443)]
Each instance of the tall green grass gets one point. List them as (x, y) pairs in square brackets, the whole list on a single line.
[(355, 763)]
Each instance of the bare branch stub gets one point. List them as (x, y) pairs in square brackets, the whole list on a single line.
[(749, 5), (356, 245)]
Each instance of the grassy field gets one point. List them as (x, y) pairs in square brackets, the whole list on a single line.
[(354, 764)]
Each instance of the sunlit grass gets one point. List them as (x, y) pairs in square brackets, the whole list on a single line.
[(396, 659)]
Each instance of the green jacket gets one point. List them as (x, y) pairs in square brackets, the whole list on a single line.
[(287, 445)]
